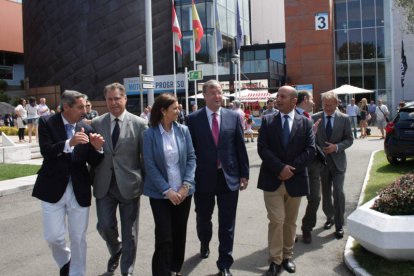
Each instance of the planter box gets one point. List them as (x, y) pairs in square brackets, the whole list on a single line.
[(388, 236)]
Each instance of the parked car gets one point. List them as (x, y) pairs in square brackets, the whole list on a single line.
[(399, 139)]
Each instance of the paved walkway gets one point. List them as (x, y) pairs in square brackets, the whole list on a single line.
[(250, 245)]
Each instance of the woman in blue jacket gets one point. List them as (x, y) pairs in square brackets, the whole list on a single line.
[(169, 183)]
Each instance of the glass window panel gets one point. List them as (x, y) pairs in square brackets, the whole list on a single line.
[(341, 74), (260, 54), (341, 44), (369, 45), (340, 14), (231, 24), (354, 14), (381, 75), (210, 15), (248, 55), (231, 5), (368, 13), (355, 74), (380, 12), (370, 73), (277, 55), (380, 43), (355, 49), (223, 21)]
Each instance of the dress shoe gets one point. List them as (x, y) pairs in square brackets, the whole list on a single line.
[(176, 273), (274, 269), (64, 270), (307, 237), (113, 262), (339, 233), (224, 272), (126, 274), (289, 265), (204, 251), (328, 224)]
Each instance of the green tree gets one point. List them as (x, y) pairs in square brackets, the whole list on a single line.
[(408, 7)]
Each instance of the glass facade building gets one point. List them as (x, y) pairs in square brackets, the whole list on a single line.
[(363, 44)]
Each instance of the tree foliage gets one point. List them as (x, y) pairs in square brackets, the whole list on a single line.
[(408, 7)]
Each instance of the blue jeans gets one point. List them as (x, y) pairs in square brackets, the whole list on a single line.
[(353, 120)]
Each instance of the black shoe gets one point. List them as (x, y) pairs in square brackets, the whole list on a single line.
[(204, 251), (64, 270), (328, 224), (306, 236), (224, 272), (339, 233), (126, 274), (274, 269), (296, 239), (113, 262), (289, 265)]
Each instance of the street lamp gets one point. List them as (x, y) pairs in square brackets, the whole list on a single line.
[(235, 59)]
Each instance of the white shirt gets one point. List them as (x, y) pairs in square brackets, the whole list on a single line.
[(68, 148), (120, 121), (290, 119), (352, 110), (210, 116), (32, 111), (172, 158), (42, 110), (378, 112)]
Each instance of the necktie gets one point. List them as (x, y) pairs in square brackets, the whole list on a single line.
[(69, 130), (306, 114), (115, 133), (215, 128), (286, 130), (328, 127)]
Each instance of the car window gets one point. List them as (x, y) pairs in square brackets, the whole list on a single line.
[(406, 115)]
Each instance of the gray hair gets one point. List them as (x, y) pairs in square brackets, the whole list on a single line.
[(211, 84), (236, 103), (114, 86), (69, 97), (330, 95)]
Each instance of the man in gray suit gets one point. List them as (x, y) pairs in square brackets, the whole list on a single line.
[(118, 179), (334, 135)]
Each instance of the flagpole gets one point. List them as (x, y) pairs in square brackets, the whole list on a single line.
[(215, 38), (175, 76)]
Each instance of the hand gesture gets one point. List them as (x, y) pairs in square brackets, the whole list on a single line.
[(174, 197), (80, 137), (330, 148), (96, 140), (243, 183), (286, 173)]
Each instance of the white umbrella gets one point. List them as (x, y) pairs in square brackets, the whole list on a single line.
[(347, 89)]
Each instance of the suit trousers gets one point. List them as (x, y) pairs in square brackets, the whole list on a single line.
[(227, 206), (170, 235), (314, 197), (282, 212), (54, 217), (108, 226), (333, 188)]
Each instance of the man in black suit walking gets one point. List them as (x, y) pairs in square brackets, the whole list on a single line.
[(63, 183), (222, 170), (286, 145)]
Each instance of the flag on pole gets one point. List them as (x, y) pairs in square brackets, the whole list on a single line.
[(197, 28), (404, 65), (239, 36), (218, 32), (176, 31)]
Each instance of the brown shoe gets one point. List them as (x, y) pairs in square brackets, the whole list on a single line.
[(307, 237)]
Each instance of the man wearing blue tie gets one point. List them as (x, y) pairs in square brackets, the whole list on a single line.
[(286, 145), (63, 183), (222, 170)]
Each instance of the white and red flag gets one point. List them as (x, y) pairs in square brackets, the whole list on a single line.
[(176, 31)]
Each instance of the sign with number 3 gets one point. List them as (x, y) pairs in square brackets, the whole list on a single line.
[(321, 21)]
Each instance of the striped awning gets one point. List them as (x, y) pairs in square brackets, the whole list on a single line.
[(255, 96)]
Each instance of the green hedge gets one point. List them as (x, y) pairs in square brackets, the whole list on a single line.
[(12, 131)]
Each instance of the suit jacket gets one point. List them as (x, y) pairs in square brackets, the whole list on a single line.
[(58, 167), (341, 136), (156, 180), (298, 153), (231, 150), (125, 160)]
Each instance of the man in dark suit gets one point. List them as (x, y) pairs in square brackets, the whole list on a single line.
[(118, 179), (304, 106), (222, 170), (63, 183), (286, 145), (334, 135)]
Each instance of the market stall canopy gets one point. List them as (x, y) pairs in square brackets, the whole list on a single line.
[(254, 96), (347, 89)]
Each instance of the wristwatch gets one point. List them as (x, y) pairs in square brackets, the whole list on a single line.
[(187, 186)]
